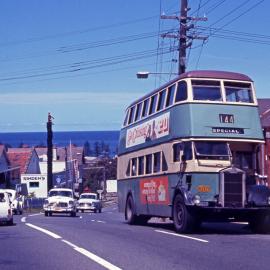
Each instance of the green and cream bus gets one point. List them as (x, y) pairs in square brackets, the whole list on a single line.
[(189, 151)]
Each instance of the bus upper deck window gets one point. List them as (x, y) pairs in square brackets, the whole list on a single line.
[(161, 100), (131, 115), (126, 118), (238, 92), (181, 93), (206, 90), (153, 104), (145, 108), (170, 95), (138, 112)]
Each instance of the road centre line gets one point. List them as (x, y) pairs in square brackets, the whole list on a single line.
[(56, 236), (83, 251), (38, 214), (23, 219), (97, 259), (183, 236), (100, 221)]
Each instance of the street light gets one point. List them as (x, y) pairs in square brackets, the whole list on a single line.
[(145, 74)]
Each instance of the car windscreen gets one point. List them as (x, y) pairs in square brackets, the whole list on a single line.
[(88, 196), (60, 193), (212, 150)]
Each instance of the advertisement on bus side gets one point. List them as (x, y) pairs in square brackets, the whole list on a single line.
[(150, 130), (154, 190)]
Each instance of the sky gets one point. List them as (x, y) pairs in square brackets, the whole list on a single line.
[(78, 59)]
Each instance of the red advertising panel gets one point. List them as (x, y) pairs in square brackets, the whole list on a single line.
[(154, 190)]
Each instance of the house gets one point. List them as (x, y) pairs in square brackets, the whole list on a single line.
[(4, 168), (26, 159)]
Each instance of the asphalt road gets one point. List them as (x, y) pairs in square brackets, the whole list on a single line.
[(105, 241)]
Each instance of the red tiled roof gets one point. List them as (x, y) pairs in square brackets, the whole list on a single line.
[(20, 157)]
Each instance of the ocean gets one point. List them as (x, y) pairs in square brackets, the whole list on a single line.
[(61, 138)]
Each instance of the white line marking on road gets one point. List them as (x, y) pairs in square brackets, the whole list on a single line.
[(38, 214), (100, 221), (80, 216), (241, 223), (93, 220), (43, 230), (69, 243), (97, 259), (23, 219), (183, 236)]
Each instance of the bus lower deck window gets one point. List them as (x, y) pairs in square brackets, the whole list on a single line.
[(141, 165), (148, 164), (134, 167), (157, 162)]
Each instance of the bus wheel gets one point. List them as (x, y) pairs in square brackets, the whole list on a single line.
[(130, 211), (182, 219), (260, 224)]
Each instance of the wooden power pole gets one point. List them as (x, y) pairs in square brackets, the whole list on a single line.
[(49, 152)]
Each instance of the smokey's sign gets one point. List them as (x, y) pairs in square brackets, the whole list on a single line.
[(150, 130)]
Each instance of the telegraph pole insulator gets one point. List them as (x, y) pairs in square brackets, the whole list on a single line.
[(185, 41)]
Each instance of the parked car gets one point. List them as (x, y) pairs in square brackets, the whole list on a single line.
[(16, 201), (6, 214), (89, 201), (60, 200)]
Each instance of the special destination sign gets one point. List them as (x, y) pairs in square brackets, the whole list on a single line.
[(228, 130)]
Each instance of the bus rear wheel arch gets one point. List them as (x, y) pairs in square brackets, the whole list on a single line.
[(130, 213)]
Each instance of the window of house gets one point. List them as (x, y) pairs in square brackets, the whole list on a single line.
[(134, 166), (181, 93), (138, 112), (148, 164), (161, 100), (153, 104), (145, 108), (33, 184), (157, 162), (141, 165), (170, 95)]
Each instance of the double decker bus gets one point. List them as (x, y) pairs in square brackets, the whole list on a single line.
[(189, 151)]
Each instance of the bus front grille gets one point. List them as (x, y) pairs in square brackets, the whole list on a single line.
[(233, 189)]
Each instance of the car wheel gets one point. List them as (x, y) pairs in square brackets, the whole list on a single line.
[(99, 210), (73, 214), (95, 210), (82, 211), (46, 213)]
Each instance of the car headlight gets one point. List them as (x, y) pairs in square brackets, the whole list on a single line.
[(71, 203), (196, 199)]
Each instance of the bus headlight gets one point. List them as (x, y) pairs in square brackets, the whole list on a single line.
[(196, 199)]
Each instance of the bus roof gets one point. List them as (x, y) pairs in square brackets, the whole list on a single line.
[(204, 74)]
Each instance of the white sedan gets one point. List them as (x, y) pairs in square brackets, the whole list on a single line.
[(6, 214), (60, 200), (89, 201)]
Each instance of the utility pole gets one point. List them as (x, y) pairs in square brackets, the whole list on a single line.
[(185, 40), (49, 152)]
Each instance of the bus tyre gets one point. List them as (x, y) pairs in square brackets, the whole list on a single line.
[(260, 224), (130, 211), (182, 219)]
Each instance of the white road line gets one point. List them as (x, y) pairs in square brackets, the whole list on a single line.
[(241, 223), (38, 214), (69, 243), (97, 259), (80, 216), (23, 219), (43, 230), (93, 220), (100, 221), (183, 236)]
